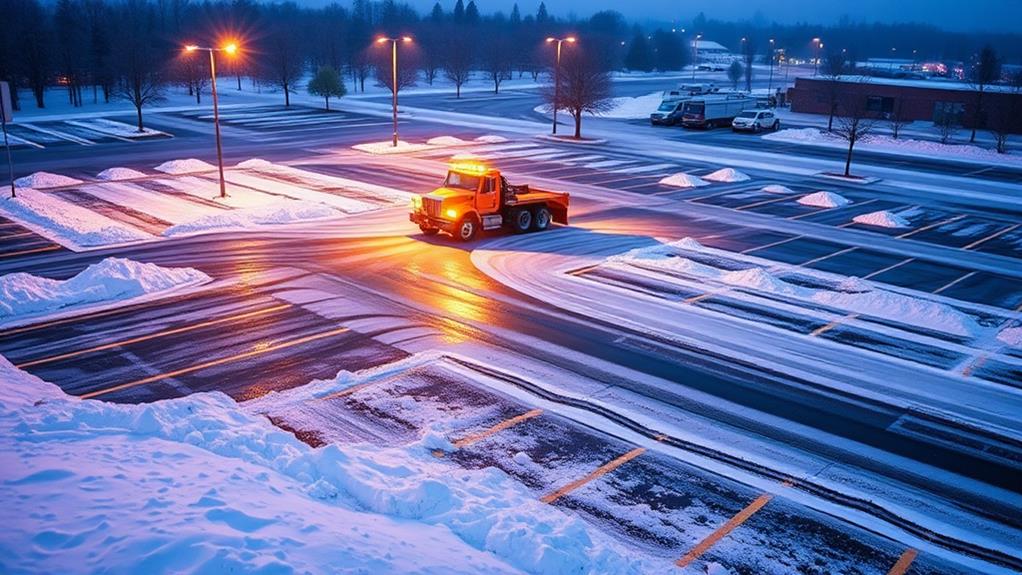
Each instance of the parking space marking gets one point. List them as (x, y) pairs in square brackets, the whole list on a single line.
[(702, 296), (770, 245), (953, 282), (800, 216), (722, 531), (770, 201), (596, 474), (930, 227), (824, 329), (61, 135), (887, 269), (216, 362), (991, 236), (511, 422), (904, 562), (821, 258), (49, 248), (154, 335), (347, 391)]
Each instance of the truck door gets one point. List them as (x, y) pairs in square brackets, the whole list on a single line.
[(486, 199)]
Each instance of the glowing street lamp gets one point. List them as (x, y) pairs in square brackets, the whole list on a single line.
[(773, 54), (695, 54), (393, 75), (816, 61), (231, 49), (557, 73)]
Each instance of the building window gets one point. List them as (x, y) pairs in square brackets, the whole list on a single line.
[(948, 112)]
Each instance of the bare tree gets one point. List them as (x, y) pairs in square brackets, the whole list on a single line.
[(947, 116), (898, 119), (986, 71), (833, 68), (283, 61), (458, 60), (407, 66), (1003, 121), (140, 64), (498, 58), (734, 73), (585, 87), (854, 123)]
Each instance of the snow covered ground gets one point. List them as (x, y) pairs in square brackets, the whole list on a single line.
[(203, 485), (901, 146), (403, 147), (114, 280), (622, 107), (68, 224)]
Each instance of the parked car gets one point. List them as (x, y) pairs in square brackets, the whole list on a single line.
[(755, 121)]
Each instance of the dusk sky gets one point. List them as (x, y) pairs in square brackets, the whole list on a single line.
[(949, 14)]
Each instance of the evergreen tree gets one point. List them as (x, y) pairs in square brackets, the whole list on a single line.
[(639, 56), (541, 14), (516, 16), (437, 15), (459, 12), (472, 13), (327, 84)]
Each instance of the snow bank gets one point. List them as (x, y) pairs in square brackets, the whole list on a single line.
[(491, 139), (66, 223), (283, 212), (188, 166), (114, 128), (848, 294), (800, 136), (882, 219), (621, 108), (41, 180), (382, 148), (778, 189), (202, 485), (115, 174), (824, 200), (727, 175), (683, 180), (446, 141), (113, 279), (1011, 336)]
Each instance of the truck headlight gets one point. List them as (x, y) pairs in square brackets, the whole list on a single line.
[(416, 202), (452, 214)]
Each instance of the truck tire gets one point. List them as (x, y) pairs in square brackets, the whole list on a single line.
[(541, 219), (521, 220), (428, 231), (467, 229)]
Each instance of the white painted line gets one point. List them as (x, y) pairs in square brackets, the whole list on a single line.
[(60, 135), (991, 236), (948, 285)]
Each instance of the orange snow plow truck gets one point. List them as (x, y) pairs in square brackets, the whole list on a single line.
[(476, 196)]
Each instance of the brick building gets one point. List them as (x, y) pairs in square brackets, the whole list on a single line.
[(911, 100)]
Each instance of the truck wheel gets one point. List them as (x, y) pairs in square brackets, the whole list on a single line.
[(428, 231), (521, 220), (467, 229), (541, 220)]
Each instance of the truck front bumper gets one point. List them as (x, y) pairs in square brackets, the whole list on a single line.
[(423, 220)]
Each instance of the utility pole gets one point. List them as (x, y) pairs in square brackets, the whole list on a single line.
[(695, 54), (230, 49), (393, 77), (557, 74), (6, 110)]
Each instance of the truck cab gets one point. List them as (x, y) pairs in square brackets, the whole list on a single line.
[(475, 196)]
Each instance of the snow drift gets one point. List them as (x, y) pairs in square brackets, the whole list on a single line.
[(824, 200), (115, 174), (727, 175), (113, 279), (683, 180), (778, 189), (882, 219), (283, 212), (66, 223), (42, 180), (188, 166)]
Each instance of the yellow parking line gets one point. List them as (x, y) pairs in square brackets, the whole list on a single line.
[(990, 237), (216, 362), (477, 437), (49, 248), (147, 337), (721, 532), (833, 324), (599, 472), (904, 562)]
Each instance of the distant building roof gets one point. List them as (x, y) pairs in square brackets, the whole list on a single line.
[(928, 83), (708, 46)]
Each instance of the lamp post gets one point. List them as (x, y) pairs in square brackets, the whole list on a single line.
[(393, 75), (773, 54), (695, 54), (816, 60), (557, 74), (230, 49)]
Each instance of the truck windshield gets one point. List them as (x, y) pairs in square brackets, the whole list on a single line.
[(462, 181), (667, 107)]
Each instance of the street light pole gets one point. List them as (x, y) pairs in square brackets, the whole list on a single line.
[(773, 54), (393, 78), (695, 54), (230, 49), (557, 75)]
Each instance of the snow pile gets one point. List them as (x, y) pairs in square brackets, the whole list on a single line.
[(446, 141), (683, 180), (801, 136), (42, 180), (66, 223), (113, 279), (114, 128), (1011, 336), (824, 200), (202, 485), (627, 108), (778, 189), (884, 143), (881, 219), (115, 174), (382, 148), (847, 294), (491, 139), (283, 212), (188, 166), (727, 175)]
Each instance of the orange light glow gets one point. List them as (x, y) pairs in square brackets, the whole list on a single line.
[(570, 39), (191, 48), (406, 38), (468, 167), (231, 48), (381, 40), (550, 39)]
